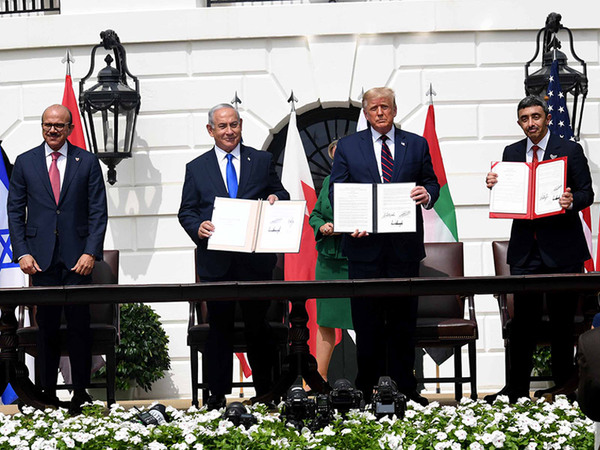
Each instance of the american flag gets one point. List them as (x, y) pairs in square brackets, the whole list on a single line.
[(560, 125)]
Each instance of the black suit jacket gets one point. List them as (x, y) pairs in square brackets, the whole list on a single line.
[(35, 219), (355, 162), (204, 182), (560, 238)]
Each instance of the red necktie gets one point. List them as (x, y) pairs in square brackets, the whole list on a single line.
[(387, 161), (55, 176), (535, 148)]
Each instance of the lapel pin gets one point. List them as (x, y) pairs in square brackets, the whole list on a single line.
[(77, 159), (403, 144), (248, 158), (553, 156)]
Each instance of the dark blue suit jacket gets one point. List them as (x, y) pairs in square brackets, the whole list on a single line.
[(35, 220), (204, 182), (355, 162), (560, 238)]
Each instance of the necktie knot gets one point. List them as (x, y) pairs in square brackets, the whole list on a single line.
[(55, 156)]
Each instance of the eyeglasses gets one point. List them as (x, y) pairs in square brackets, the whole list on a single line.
[(57, 126)]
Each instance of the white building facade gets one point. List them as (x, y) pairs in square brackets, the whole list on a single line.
[(189, 57)]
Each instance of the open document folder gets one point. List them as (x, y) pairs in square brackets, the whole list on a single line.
[(374, 208), (257, 226), (525, 191)]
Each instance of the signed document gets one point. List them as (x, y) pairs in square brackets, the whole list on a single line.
[(256, 226), (374, 208), (527, 192)]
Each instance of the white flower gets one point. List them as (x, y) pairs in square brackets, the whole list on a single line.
[(441, 436), (498, 439), (460, 434), (345, 431), (156, 446), (475, 446), (189, 438)]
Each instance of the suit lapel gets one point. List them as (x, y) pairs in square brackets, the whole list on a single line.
[(553, 147), (245, 169), (39, 163), (400, 150), (368, 152), (71, 168), (213, 172)]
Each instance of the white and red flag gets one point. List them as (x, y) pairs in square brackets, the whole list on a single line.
[(297, 180)]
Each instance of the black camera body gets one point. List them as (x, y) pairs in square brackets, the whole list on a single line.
[(387, 400), (298, 409), (157, 415), (237, 414), (344, 397)]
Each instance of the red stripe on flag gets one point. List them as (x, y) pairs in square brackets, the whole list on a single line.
[(244, 365), (434, 147)]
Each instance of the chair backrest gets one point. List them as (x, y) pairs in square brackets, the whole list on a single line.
[(443, 259), (501, 267), (105, 272)]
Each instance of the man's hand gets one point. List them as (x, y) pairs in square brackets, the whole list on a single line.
[(206, 229), (566, 200), (491, 179), (84, 265), (420, 195), (326, 229), (359, 234), (29, 265), (272, 199)]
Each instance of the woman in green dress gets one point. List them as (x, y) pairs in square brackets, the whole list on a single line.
[(332, 313)]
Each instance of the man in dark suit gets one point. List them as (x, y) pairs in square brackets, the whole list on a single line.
[(554, 244), (231, 169), (57, 219), (385, 327)]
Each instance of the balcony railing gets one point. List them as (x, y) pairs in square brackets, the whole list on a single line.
[(28, 6)]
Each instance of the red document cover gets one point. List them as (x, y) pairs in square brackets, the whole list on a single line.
[(527, 191)]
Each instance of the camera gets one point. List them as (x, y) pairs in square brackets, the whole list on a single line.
[(387, 401), (298, 409), (344, 397), (157, 415), (237, 414)]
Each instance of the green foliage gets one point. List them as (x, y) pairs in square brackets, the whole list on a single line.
[(541, 361), (142, 354)]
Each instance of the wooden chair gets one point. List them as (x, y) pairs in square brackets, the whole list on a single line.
[(104, 326), (441, 319), (583, 315)]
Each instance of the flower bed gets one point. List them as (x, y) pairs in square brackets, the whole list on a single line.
[(470, 425)]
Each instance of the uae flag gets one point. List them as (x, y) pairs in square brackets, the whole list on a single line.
[(439, 221), (297, 180)]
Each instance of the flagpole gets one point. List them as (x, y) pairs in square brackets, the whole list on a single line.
[(68, 59)]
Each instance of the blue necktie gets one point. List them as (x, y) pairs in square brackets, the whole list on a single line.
[(387, 162), (232, 184)]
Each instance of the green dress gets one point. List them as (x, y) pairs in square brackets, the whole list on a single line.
[(331, 265)]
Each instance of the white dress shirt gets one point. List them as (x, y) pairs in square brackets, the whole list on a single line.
[(222, 160), (61, 162)]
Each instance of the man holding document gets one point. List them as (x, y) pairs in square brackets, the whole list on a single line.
[(383, 156), (230, 169), (552, 243)]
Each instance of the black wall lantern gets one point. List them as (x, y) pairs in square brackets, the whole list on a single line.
[(110, 107), (572, 82)]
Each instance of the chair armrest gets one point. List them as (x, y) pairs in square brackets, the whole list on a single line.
[(29, 310), (192, 315), (503, 308), (471, 307)]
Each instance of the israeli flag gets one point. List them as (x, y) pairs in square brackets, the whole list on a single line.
[(10, 273)]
